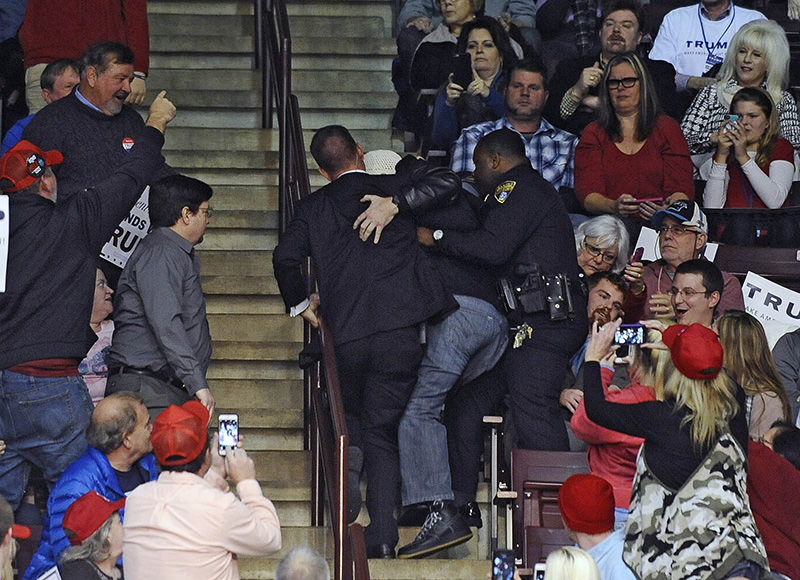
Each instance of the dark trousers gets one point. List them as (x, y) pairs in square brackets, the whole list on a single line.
[(377, 376), (156, 394), (535, 373), (463, 416)]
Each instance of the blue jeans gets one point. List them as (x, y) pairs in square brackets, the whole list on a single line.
[(42, 421), (464, 345)]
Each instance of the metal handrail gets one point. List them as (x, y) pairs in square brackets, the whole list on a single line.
[(325, 428)]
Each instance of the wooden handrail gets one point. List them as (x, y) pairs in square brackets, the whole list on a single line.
[(325, 431)]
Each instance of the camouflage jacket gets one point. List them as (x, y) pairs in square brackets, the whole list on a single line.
[(698, 532)]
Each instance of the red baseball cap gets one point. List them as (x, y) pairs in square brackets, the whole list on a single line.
[(86, 514), (180, 433), (20, 532), (695, 350), (586, 503), (23, 164)]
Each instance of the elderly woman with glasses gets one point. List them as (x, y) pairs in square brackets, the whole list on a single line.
[(633, 160)]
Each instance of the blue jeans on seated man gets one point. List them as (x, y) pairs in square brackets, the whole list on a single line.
[(42, 421), (464, 345)]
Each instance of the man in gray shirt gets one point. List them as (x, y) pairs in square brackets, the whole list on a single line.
[(162, 346)]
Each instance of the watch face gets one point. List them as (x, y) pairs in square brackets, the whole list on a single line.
[(438, 234)]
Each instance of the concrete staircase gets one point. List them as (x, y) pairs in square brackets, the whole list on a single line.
[(201, 53)]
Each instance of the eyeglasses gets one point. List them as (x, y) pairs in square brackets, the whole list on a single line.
[(627, 83), (594, 252), (687, 293), (677, 230), (209, 211)]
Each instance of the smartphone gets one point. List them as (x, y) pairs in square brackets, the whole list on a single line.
[(630, 334), (538, 571), (228, 432), (637, 255), (462, 69), (503, 565), (732, 120), (651, 199)]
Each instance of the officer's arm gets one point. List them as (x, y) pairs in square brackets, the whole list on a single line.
[(505, 228)]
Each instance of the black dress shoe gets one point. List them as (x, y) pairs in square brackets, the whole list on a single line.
[(445, 527), (380, 552), (471, 514)]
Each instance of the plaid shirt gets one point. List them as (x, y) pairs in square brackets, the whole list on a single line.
[(551, 151)]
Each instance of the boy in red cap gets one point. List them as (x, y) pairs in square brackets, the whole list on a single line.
[(187, 524), (46, 292), (586, 503)]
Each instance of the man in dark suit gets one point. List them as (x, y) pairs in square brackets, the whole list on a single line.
[(373, 297), (573, 101)]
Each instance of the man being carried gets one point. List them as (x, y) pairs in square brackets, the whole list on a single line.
[(162, 346), (46, 306)]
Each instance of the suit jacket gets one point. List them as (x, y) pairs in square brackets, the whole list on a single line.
[(364, 288), (567, 74)]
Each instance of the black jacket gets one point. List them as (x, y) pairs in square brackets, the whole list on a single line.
[(53, 251), (364, 288)]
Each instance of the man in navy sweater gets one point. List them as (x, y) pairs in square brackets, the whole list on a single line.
[(46, 301)]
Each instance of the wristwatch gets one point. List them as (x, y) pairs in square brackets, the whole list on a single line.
[(437, 235)]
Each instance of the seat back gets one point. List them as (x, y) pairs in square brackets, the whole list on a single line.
[(781, 265), (537, 477), (539, 542)]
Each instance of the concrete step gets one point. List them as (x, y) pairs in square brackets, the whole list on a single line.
[(238, 218), (241, 25), (224, 59), (335, 61), (244, 305), (366, 81), (227, 263), (269, 394), (245, 197), (255, 370), (228, 139), (259, 351), (239, 239), (186, 46)]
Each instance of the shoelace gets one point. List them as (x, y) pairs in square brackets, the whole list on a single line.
[(433, 518)]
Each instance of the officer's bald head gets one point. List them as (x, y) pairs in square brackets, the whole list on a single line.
[(505, 143)]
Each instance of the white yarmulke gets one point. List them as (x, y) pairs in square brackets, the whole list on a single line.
[(381, 161)]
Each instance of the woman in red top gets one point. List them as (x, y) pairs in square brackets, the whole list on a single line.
[(753, 165), (633, 160)]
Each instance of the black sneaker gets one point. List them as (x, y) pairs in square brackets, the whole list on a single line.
[(444, 527), (471, 514)]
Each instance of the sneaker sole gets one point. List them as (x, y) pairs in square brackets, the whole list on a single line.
[(429, 551)]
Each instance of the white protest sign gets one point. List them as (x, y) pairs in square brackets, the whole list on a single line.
[(776, 307), (128, 233)]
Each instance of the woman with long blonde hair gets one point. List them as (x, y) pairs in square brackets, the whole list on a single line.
[(689, 516), (748, 361), (571, 563)]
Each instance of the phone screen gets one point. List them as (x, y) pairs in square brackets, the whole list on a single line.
[(630, 334), (228, 432), (503, 565)]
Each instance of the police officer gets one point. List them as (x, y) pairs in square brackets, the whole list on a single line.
[(526, 236)]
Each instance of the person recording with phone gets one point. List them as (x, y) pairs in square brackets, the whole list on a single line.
[(633, 160), (753, 165), (473, 93), (757, 56)]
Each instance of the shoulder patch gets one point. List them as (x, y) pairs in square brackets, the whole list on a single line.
[(503, 190)]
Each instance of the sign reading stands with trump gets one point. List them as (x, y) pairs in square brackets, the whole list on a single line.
[(128, 233), (775, 306)]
